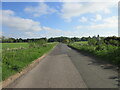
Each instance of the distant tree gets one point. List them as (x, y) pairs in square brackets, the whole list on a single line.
[(75, 39), (112, 40), (84, 39)]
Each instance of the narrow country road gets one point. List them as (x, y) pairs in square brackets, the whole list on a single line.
[(66, 68)]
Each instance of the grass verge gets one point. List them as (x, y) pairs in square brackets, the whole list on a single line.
[(107, 53), (15, 61)]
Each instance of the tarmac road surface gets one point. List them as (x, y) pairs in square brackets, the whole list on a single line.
[(66, 68)]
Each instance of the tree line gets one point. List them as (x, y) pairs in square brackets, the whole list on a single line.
[(91, 40), (4, 39)]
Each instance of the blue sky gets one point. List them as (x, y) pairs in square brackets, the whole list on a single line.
[(52, 19)]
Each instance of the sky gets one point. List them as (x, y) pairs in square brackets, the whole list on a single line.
[(54, 19)]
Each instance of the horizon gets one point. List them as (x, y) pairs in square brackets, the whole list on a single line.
[(59, 37)]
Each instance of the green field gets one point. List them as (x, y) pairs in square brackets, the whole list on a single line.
[(14, 45), (81, 42), (109, 53), (14, 61)]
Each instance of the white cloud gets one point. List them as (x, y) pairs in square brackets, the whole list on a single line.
[(86, 0), (41, 9), (74, 9), (78, 27), (107, 23), (51, 32), (97, 18), (108, 27), (51, 29), (111, 22), (31, 34), (83, 19), (70, 10), (8, 12), (60, 1), (11, 21), (107, 11)]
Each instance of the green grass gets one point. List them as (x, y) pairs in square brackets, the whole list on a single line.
[(15, 61), (14, 45), (81, 42), (104, 52)]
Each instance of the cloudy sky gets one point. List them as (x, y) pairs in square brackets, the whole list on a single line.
[(51, 19)]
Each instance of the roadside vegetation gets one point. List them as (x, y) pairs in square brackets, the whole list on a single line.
[(17, 56), (107, 49), (19, 53)]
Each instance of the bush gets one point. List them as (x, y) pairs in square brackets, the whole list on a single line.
[(109, 53), (101, 47), (38, 43), (92, 41)]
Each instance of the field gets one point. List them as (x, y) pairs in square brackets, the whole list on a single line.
[(14, 45), (14, 61), (109, 53), (81, 43)]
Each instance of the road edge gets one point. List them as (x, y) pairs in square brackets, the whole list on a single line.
[(16, 76)]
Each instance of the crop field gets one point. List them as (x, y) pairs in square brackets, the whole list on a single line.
[(14, 61), (110, 53)]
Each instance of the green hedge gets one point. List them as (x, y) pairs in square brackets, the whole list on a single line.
[(109, 53)]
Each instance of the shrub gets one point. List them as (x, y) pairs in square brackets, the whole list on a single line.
[(92, 41), (110, 53), (37, 43)]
